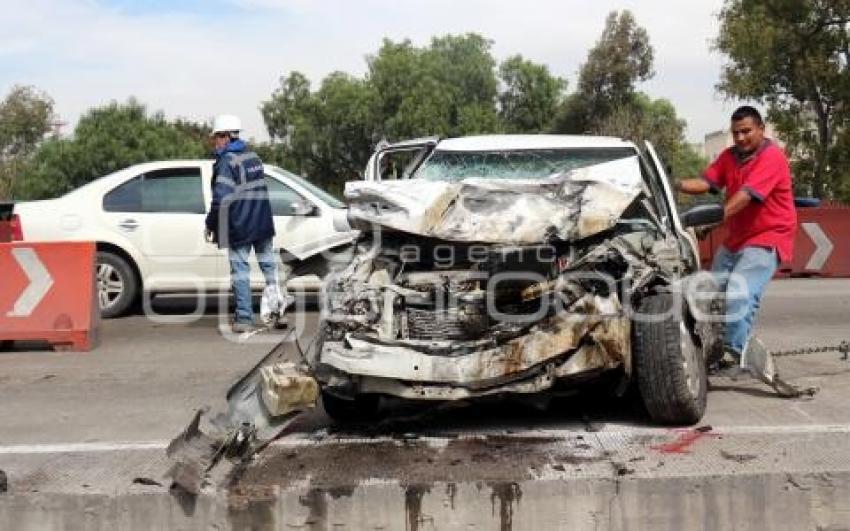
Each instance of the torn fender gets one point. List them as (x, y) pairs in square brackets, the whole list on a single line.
[(260, 407)]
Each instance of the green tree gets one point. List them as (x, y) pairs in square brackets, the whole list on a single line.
[(621, 58), (794, 55), (327, 134), (642, 119), (448, 88), (451, 87), (530, 97), (26, 116), (105, 140), (607, 102)]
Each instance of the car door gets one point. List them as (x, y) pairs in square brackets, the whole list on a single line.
[(689, 244), (400, 160), (296, 222), (161, 212)]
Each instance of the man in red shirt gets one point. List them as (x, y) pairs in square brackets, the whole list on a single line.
[(759, 210)]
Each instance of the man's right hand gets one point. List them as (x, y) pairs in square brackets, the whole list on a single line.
[(693, 186), (209, 236)]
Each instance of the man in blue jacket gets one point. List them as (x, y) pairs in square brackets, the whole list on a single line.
[(240, 217)]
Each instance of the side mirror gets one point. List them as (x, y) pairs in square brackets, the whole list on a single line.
[(304, 208), (340, 220), (702, 215), (806, 202)]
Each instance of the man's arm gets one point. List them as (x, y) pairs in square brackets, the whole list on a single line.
[(693, 186), (736, 203)]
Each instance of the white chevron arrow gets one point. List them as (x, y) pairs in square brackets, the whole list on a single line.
[(40, 282), (823, 246)]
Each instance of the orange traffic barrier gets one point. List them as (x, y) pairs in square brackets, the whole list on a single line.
[(48, 293), (820, 248)]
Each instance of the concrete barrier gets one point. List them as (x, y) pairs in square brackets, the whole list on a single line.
[(760, 501)]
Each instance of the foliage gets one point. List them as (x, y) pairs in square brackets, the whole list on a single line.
[(448, 88), (655, 120), (323, 134), (621, 58), (607, 102), (794, 55), (105, 140), (25, 118), (530, 97)]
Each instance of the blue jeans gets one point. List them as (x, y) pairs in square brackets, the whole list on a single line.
[(240, 274), (743, 276)]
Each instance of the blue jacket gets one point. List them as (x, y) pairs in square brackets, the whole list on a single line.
[(240, 212)]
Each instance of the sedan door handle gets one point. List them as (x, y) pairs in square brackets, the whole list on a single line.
[(129, 224)]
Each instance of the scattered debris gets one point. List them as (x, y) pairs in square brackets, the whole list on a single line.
[(319, 435), (261, 406), (589, 425), (796, 484), (739, 458), (146, 481), (621, 469)]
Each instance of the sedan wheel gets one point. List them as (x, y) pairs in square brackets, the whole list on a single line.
[(117, 284), (110, 286)]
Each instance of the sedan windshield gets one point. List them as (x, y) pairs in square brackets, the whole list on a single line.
[(453, 166)]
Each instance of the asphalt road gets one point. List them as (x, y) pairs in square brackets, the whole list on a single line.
[(151, 372)]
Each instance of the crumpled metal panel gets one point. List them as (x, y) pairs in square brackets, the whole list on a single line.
[(592, 316), (573, 205), (260, 407)]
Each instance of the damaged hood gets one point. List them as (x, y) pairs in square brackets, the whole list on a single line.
[(568, 206)]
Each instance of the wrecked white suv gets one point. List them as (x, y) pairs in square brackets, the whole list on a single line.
[(506, 264)]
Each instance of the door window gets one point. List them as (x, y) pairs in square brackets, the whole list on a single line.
[(177, 190), (282, 197), (125, 198)]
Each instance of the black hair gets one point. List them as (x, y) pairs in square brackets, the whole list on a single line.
[(746, 111)]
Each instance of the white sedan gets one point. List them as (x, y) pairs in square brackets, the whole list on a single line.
[(148, 222)]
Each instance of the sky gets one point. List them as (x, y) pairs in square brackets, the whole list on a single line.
[(197, 58)]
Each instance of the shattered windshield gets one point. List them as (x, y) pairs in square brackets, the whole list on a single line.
[(454, 166)]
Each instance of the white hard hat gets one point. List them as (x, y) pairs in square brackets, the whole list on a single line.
[(226, 123)]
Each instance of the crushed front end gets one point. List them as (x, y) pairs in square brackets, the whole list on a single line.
[(464, 290)]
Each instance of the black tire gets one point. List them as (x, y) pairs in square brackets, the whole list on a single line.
[(669, 366), (361, 408), (117, 284)]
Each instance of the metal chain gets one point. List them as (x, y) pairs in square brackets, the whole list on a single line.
[(843, 348)]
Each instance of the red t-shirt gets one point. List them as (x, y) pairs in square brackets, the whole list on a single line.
[(770, 219)]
